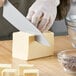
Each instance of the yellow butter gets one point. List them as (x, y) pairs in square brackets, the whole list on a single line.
[(22, 67), (4, 66), (31, 72), (25, 46), (9, 72)]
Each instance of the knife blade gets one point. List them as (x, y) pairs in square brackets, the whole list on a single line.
[(12, 15)]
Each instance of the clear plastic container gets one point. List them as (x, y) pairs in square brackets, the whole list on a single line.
[(71, 24), (67, 58), (72, 35)]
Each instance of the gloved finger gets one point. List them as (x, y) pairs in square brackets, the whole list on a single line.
[(52, 19), (29, 15), (42, 25), (44, 29), (49, 25), (36, 18)]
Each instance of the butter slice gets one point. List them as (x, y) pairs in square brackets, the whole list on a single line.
[(22, 67), (9, 72), (25, 46), (31, 72), (4, 66)]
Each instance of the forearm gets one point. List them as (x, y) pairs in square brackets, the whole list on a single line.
[(1, 3)]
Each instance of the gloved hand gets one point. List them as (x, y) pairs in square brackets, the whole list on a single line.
[(1, 3), (43, 13)]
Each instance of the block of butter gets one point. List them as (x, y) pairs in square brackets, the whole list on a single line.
[(31, 72), (25, 46), (22, 67), (4, 66), (9, 72)]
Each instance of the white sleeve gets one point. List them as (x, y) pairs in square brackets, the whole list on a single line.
[(57, 2)]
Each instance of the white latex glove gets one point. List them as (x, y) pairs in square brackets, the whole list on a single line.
[(1, 3), (43, 13)]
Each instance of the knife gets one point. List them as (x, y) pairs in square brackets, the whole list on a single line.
[(12, 15)]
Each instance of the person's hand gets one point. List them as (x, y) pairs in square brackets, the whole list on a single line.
[(43, 13), (1, 3)]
